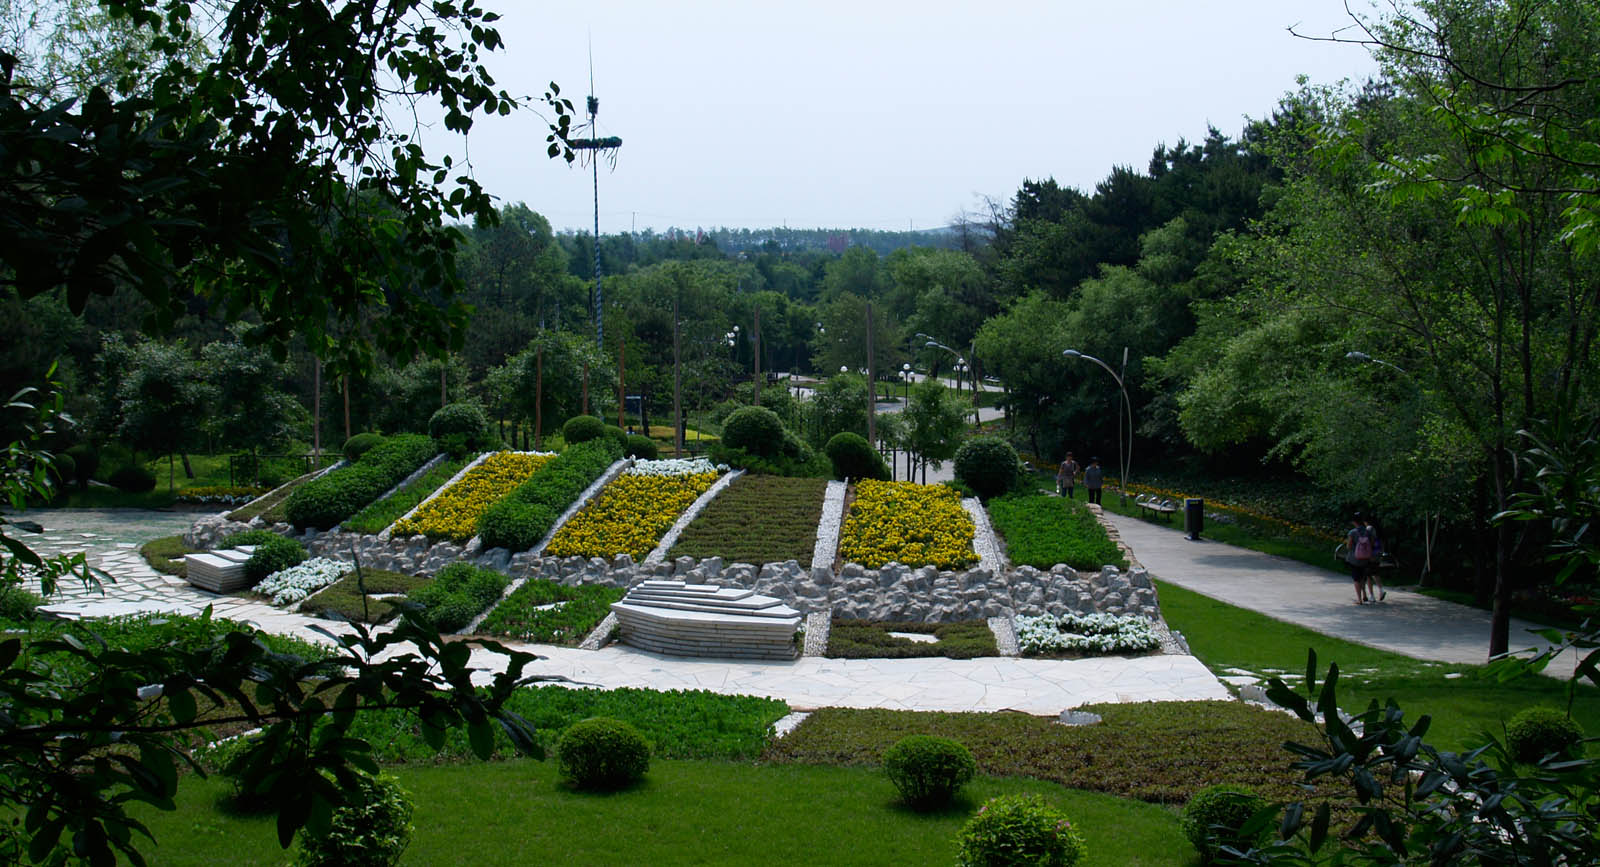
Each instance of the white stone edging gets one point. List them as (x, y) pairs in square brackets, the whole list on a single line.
[(387, 532), (315, 474), (583, 499), (983, 540), (827, 547), (431, 463), (659, 552)]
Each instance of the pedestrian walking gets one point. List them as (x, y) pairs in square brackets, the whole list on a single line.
[(1358, 555), (1094, 480), (1067, 477), (1375, 591)]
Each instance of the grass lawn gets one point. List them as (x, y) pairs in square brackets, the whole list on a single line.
[(865, 639), (1223, 636), (685, 812), (757, 519), (343, 597)]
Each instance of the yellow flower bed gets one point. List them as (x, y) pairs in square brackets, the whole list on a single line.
[(907, 523), (629, 516), (454, 513)]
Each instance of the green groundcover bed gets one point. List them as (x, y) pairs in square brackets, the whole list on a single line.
[(1041, 531), (870, 639), (550, 613), (342, 600), (758, 519)]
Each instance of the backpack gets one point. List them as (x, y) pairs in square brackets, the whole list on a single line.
[(1363, 550)]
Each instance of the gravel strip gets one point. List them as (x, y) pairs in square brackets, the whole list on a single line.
[(659, 553), (1005, 635), (828, 525), (436, 492), (582, 500), (597, 638), (983, 540), (818, 625)]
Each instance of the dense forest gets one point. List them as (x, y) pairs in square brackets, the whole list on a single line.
[(1372, 292)]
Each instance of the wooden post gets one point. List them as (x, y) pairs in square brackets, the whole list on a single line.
[(316, 410), (538, 396), (677, 385), (872, 403), (758, 358)]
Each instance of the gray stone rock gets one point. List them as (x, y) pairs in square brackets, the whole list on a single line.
[(1079, 718)]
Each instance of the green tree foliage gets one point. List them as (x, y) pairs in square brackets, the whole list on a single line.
[(250, 408), (161, 398), (935, 422)]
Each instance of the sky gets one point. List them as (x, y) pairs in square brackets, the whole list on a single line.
[(882, 115)]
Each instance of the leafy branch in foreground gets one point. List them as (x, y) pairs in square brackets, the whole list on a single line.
[(74, 755)]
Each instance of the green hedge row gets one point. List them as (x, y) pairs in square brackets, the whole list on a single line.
[(525, 515), (460, 592), (325, 501)]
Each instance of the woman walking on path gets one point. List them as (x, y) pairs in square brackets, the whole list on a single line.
[(1067, 476), (1358, 555)]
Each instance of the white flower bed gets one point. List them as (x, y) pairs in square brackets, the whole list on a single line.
[(295, 583), (1092, 633), (672, 467)]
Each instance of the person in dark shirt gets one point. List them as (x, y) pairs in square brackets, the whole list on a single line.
[(1094, 480)]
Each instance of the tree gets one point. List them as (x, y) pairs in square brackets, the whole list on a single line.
[(935, 421), (250, 408), (163, 398)]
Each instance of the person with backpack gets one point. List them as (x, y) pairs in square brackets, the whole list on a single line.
[(1094, 480), (1375, 591), (1358, 555)]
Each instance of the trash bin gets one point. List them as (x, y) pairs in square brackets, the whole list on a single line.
[(1194, 517)]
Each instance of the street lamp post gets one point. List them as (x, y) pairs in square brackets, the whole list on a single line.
[(1127, 405), (1357, 355)]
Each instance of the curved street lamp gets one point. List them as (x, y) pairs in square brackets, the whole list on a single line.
[(1127, 404), (1358, 355)]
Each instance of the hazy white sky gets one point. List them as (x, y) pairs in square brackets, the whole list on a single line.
[(880, 115)]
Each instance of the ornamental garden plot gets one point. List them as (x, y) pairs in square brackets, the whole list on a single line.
[(758, 519), (453, 514), (634, 510), (907, 523)]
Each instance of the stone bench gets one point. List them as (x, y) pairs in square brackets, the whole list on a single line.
[(682, 619)]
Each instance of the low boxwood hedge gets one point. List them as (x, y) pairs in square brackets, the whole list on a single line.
[(325, 501), (525, 515), (457, 594)]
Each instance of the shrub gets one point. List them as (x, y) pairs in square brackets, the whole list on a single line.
[(457, 594), (371, 830), (1536, 732), (1216, 817), (113, 457), (64, 468), (807, 464), (165, 555), (248, 537), (617, 435), (522, 518), (582, 428), (18, 605), (360, 444), (326, 500), (641, 447), (987, 465), (855, 458), (754, 429), (602, 753), (1019, 829), (85, 461), (928, 770), (272, 555), (133, 479)]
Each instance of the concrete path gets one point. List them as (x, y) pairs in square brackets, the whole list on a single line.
[(1036, 686), (1321, 599)]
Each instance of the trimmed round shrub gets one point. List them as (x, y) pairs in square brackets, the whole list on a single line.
[(855, 458), (755, 429), (1019, 829), (641, 447), (582, 428), (1536, 732), (372, 829), (987, 465), (273, 555), (928, 770), (18, 605), (133, 479), (459, 428), (602, 753), (618, 436), (457, 594), (63, 468), (86, 460), (515, 526), (360, 444), (1215, 817)]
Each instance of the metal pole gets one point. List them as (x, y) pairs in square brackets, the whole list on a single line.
[(758, 358), (538, 396), (872, 404), (677, 385)]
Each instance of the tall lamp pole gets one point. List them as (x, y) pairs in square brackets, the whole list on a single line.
[(1125, 453)]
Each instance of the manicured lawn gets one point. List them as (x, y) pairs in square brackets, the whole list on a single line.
[(1041, 531), (344, 599), (270, 507), (1223, 636), (757, 519), (523, 614), (861, 639), (165, 555), (685, 812)]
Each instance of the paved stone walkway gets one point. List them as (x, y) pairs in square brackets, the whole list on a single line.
[(1406, 622), (1036, 686)]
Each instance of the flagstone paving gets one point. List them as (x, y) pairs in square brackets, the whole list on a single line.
[(1037, 686)]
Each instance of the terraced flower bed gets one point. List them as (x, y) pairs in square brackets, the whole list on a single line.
[(634, 510), (1042, 531), (374, 518), (758, 519), (1076, 635), (551, 613), (453, 515), (344, 600), (907, 523)]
